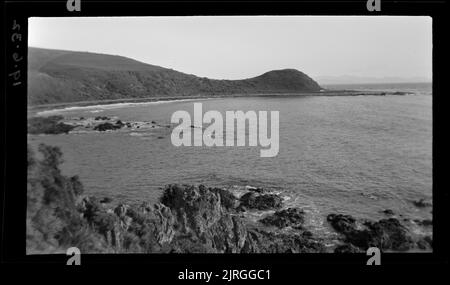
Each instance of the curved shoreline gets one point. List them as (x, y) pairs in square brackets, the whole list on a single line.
[(58, 107)]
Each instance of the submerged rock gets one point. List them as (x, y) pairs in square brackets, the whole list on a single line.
[(106, 200), (388, 212), (107, 126), (292, 217)]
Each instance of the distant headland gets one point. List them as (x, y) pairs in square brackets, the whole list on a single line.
[(57, 76)]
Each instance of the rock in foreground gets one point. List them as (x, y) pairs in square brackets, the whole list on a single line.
[(187, 219), (252, 200), (292, 217), (386, 234)]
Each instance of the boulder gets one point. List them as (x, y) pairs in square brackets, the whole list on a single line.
[(386, 234), (388, 212), (390, 234), (344, 224), (227, 199), (106, 200), (107, 126), (292, 217), (200, 213)]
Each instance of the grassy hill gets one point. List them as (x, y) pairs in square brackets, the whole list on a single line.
[(56, 76)]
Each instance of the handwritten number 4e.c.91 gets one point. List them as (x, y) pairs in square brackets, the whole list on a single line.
[(16, 40)]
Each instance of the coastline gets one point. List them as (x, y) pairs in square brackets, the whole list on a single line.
[(56, 107), (121, 227), (195, 219)]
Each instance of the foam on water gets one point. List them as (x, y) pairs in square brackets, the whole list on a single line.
[(104, 107)]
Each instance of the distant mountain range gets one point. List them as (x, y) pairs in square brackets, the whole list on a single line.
[(350, 79), (58, 76)]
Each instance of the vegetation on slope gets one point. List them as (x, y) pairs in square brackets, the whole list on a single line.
[(65, 76), (53, 220)]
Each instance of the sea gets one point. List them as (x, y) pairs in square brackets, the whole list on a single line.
[(356, 155)]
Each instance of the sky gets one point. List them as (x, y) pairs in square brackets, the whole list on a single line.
[(242, 47)]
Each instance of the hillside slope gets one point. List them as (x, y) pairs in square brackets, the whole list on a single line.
[(56, 76)]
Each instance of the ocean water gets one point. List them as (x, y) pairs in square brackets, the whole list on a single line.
[(354, 155)]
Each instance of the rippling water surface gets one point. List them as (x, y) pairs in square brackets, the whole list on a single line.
[(356, 155)]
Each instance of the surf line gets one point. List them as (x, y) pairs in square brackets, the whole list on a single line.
[(213, 134)]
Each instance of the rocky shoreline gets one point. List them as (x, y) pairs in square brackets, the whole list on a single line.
[(193, 219), (211, 220), (54, 125), (35, 109)]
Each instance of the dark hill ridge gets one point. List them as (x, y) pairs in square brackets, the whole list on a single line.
[(56, 76)]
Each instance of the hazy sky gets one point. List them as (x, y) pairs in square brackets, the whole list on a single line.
[(242, 47)]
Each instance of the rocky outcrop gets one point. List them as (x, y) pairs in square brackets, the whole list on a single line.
[(198, 219), (260, 241), (107, 126), (54, 125), (347, 248), (192, 219), (51, 125), (227, 199), (187, 219), (292, 217), (201, 215), (386, 234), (388, 212), (252, 200), (425, 243)]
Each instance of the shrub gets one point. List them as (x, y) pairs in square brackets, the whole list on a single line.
[(53, 221)]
